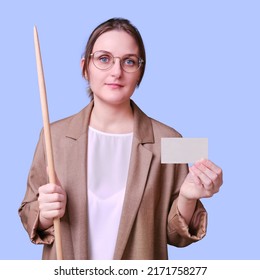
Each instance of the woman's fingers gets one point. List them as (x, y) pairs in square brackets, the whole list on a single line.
[(52, 201), (208, 175)]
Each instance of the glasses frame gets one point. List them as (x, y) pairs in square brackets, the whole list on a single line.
[(140, 61)]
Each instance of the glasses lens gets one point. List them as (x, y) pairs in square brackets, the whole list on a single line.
[(130, 63), (102, 60)]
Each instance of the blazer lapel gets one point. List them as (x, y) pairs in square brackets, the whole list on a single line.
[(138, 171), (76, 178)]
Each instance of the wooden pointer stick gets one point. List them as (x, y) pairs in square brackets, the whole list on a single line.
[(47, 135)]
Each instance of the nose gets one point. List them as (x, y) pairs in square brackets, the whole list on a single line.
[(116, 69)]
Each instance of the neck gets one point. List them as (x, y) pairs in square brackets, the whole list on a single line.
[(112, 118)]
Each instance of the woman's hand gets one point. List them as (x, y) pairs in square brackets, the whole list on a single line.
[(52, 204), (204, 180)]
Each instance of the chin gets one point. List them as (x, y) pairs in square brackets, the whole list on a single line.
[(114, 98)]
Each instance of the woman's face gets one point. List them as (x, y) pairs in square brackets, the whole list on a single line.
[(114, 86)]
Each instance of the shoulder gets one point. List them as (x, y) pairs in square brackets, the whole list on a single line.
[(60, 127), (75, 125), (162, 130), (64, 122), (149, 128)]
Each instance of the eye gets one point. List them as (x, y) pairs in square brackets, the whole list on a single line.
[(104, 59), (130, 61)]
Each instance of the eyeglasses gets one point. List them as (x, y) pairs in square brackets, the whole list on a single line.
[(105, 60)]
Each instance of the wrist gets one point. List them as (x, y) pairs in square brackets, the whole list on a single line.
[(44, 223), (186, 200), (186, 207)]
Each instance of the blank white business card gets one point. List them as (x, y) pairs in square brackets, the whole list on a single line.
[(183, 150)]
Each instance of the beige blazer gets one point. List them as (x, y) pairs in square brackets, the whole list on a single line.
[(150, 219)]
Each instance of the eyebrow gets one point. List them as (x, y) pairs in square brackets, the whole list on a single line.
[(127, 54)]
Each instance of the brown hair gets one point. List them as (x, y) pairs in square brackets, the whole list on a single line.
[(113, 24)]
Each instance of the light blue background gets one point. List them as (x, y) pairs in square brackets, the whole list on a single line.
[(202, 60)]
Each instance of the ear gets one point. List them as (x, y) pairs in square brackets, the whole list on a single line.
[(82, 63)]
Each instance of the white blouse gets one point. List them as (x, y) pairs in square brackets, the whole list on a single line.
[(108, 164)]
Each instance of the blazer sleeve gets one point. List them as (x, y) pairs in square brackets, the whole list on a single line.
[(29, 209), (178, 232)]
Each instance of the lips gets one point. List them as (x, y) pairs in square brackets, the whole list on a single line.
[(114, 85)]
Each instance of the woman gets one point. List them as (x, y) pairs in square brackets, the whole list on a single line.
[(114, 198)]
